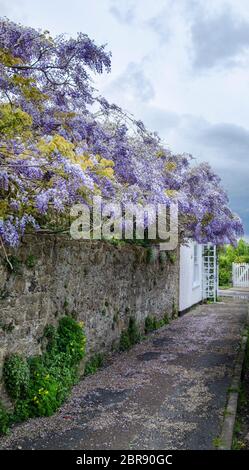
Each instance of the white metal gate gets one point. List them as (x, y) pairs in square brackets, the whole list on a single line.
[(240, 275)]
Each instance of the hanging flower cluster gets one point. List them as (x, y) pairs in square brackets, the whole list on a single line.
[(61, 144)]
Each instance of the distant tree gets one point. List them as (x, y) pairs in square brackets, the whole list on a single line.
[(229, 255)]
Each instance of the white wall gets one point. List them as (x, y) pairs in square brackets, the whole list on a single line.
[(190, 289)]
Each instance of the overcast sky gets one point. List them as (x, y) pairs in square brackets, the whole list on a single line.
[(182, 66)]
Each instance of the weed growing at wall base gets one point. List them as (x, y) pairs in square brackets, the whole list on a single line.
[(152, 323), (4, 420), (16, 376), (130, 336), (39, 385), (94, 364)]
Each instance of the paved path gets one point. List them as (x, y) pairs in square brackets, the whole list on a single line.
[(235, 292), (168, 392)]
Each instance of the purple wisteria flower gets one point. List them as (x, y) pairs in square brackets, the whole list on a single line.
[(61, 143)]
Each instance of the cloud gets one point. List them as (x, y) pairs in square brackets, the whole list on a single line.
[(232, 138), (132, 84), (236, 182), (218, 39), (159, 120), (4, 9), (123, 14), (226, 147), (159, 25)]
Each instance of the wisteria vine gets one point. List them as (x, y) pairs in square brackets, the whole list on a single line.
[(61, 144)]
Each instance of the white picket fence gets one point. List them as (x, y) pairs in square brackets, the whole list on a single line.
[(240, 275)]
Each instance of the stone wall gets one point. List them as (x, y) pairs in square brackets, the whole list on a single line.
[(100, 283)]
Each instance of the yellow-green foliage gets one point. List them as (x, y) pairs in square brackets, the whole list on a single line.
[(170, 166), (57, 143), (6, 58), (101, 166), (28, 88), (14, 121), (229, 255)]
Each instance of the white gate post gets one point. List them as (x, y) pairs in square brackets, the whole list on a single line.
[(233, 274)]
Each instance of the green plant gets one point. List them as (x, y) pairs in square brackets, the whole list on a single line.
[(4, 293), (233, 390), (237, 426), (7, 327), (144, 243), (51, 335), (151, 255), (130, 336), (238, 444), (225, 276), (13, 264), (125, 342), (152, 323), (71, 339), (65, 304), (133, 331), (228, 255), (40, 384), (51, 382), (166, 319), (115, 241), (162, 257), (217, 442), (4, 420), (30, 261), (16, 376), (223, 287), (171, 257), (44, 386), (240, 427), (22, 411), (174, 310), (94, 364)]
